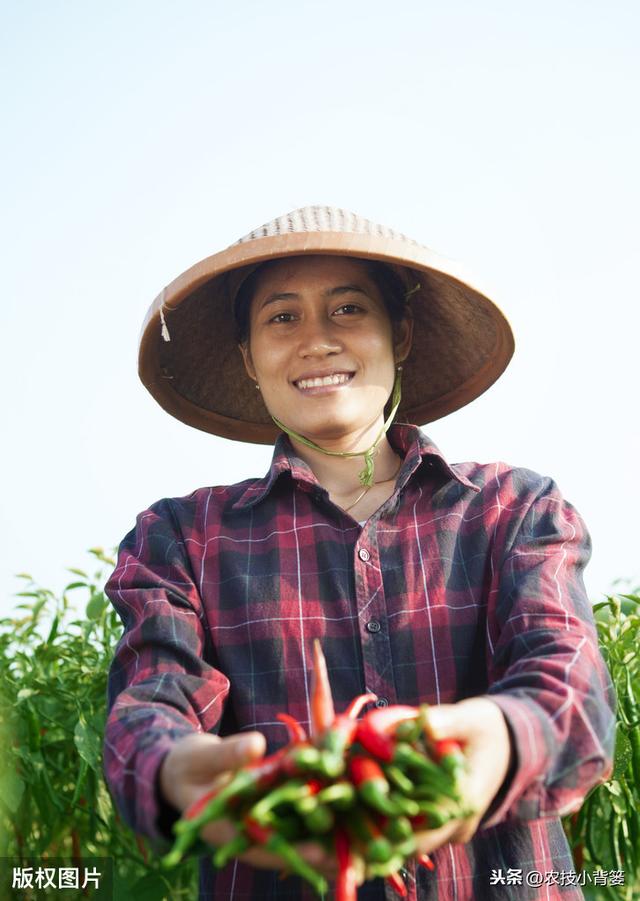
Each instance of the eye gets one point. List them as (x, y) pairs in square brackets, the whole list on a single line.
[(282, 317), (348, 309)]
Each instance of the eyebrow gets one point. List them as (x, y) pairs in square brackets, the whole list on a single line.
[(330, 292)]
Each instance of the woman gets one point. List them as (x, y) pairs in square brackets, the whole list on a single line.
[(459, 586)]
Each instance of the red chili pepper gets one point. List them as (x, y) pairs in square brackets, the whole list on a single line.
[(445, 747), (449, 754), (322, 710), (396, 882), (367, 776), (426, 861), (375, 730), (294, 729), (346, 884)]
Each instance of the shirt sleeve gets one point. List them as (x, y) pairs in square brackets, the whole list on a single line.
[(546, 671), (160, 686)]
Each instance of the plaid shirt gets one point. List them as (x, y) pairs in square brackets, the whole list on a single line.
[(467, 581)]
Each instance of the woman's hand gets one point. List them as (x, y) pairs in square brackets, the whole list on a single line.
[(480, 727), (196, 762)]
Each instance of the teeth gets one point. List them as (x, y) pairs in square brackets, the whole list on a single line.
[(337, 379)]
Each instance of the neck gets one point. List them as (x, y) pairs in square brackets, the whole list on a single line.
[(340, 475)]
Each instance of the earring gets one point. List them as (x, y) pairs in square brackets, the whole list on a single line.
[(257, 387)]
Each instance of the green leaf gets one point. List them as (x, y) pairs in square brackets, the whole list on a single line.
[(73, 585), (77, 572), (11, 789), (88, 742), (151, 887), (95, 606)]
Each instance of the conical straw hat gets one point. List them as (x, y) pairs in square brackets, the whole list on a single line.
[(190, 362)]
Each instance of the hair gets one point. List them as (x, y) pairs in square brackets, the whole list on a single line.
[(390, 285)]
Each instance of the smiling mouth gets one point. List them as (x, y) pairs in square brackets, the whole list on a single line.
[(336, 378)]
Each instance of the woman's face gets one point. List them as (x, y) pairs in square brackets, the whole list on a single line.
[(321, 345)]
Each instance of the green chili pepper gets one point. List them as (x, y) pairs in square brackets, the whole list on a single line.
[(341, 795), (375, 847), (371, 784), (288, 793), (436, 815), (385, 868), (271, 841), (399, 779), (319, 820), (238, 845), (397, 829)]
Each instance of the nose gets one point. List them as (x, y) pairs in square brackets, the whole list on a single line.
[(318, 339)]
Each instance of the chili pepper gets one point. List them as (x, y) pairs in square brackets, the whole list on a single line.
[(406, 806), (406, 848), (371, 784), (289, 793), (412, 731), (375, 846), (436, 815), (426, 861), (340, 735), (238, 845), (269, 839), (385, 868), (341, 795), (375, 730), (253, 777), (294, 729), (322, 710), (400, 779), (396, 829), (406, 757), (319, 820), (214, 804), (450, 756), (304, 758), (346, 885), (396, 882)]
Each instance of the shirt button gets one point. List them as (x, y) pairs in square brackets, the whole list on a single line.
[(404, 873), (382, 702), (373, 626), (364, 554)]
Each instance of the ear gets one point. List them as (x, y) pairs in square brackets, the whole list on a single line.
[(403, 337), (248, 362)]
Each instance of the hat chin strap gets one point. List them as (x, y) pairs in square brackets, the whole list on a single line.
[(366, 474)]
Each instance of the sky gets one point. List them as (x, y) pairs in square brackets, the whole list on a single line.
[(141, 137)]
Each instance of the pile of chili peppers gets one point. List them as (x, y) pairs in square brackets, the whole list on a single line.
[(362, 787)]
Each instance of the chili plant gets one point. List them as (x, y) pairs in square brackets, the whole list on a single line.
[(53, 799), (605, 832)]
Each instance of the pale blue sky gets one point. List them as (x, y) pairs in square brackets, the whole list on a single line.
[(140, 137)]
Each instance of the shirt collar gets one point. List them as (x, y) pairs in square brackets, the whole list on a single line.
[(408, 440)]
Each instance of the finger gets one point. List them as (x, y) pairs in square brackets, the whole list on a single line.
[(465, 831), (427, 842), (212, 754), (223, 831), (311, 852)]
